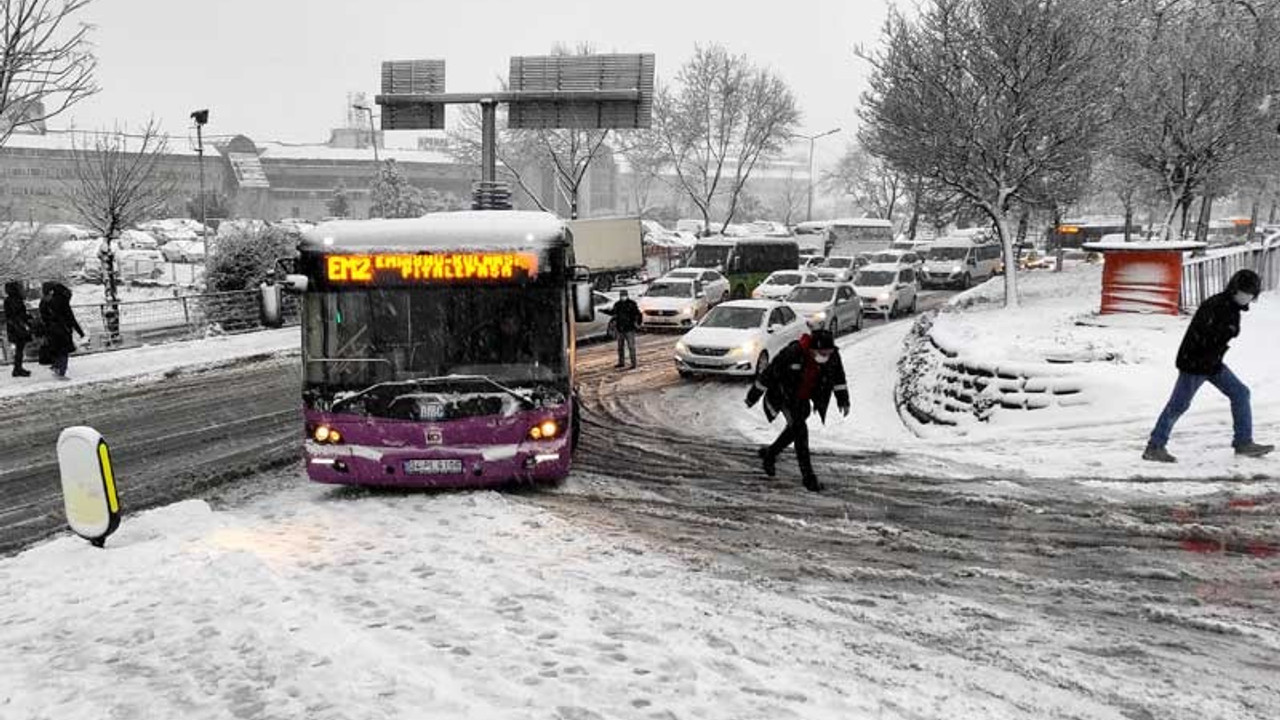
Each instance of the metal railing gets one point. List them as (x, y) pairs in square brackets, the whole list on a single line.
[(144, 322), (1204, 277)]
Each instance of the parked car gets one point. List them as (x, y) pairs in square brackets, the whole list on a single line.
[(672, 303), (130, 265), (837, 268), (715, 285), (183, 251), (959, 262), (738, 338), (603, 326), (887, 290), (830, 306), (137, 240), (780, 283)]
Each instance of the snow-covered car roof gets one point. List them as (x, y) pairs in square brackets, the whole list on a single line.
[(471, 229), (689, 270), (880, 267), (753, 304), (823, 284)]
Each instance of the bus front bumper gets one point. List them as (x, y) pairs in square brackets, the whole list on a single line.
[(462, 466)]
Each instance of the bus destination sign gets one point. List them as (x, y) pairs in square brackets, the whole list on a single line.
[(414, 268)]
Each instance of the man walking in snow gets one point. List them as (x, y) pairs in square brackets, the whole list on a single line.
[(1214, 325), (626, 321), (804, 375)]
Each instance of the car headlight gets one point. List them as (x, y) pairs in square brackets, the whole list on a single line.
[(884, 297), (818, 316), (955, 269), (756, 293), (748, 348), (326, 434), (686, 311), (681, 347)]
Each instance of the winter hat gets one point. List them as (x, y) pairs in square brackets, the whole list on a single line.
[(1246, 281), (823, 340)]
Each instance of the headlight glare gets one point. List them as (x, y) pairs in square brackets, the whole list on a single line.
[(545, 430)]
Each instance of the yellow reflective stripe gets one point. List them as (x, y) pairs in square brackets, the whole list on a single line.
[(105, 459)]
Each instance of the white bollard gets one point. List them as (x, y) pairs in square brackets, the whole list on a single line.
[(88, 484)]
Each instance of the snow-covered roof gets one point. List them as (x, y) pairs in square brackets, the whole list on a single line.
[(278, 151), (470, 229), (859, 222), (755, 304), (68, 140)]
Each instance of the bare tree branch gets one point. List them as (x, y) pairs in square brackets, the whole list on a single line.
[(46, 62)]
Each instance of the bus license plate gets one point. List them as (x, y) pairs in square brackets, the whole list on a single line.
[(432, 467)]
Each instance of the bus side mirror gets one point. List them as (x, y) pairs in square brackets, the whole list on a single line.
[(584, 307)]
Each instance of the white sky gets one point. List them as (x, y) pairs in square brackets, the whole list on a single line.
[(281, 69)]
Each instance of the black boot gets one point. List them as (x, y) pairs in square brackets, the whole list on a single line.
[(811, 484), (20, 372), (770, 462)]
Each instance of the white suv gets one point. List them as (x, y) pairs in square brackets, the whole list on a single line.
[(887, 290)]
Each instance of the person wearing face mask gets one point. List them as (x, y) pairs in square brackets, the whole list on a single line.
[(1200, 360), (802, 378)]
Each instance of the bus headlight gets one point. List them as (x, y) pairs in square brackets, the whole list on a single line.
[(326, 434), (544, 430)]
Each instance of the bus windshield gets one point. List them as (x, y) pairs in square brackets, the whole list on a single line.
[(355, 339), (710, 256)]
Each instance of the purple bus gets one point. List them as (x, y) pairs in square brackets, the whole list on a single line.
[(439, 351)]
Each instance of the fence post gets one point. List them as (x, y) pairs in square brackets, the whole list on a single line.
[(186, 313)]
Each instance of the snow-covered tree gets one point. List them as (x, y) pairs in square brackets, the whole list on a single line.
[(339, 205), (46, 62), (393, 196), (990, 100), (720, 118), (873, 186)]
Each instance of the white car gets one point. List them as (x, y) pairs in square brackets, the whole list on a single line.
[(672, 303), (779, 284), (715, 285), (603, 326), (830, 306), (738, 338), (887, 290), (837, 268), (901, 258)]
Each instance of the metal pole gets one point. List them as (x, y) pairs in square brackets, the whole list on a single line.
[(488, 141), (204, 219), (373, 137), (808, 213)]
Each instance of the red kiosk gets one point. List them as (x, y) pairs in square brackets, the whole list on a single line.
[(1142, 277)]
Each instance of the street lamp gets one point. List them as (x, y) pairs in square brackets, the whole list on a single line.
[(808, 214), (201, 117), (373, 137)]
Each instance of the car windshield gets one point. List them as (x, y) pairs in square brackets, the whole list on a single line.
[(875, 278), (811, 295), (735, 318), (890, 258), (948, 253), (784, 279), (670, 290), (838, 262), (684, 273)]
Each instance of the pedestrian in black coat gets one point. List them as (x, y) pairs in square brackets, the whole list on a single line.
[(626, 321), (59, 322), (802, 377), (1200, 360), (17, 324)]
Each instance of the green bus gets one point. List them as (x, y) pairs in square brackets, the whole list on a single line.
[(745, 261)]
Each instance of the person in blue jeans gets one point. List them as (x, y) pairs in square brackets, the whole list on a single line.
[(1200, 360)]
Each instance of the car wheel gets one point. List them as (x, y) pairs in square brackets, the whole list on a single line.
[(834, 327), (966, 282), (685, 374), (857, 324), (762, 362), (893, 311), (915, 302)]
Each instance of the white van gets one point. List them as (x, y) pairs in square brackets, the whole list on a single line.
[(959, 262)]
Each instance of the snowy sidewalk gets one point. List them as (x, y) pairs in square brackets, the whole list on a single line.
[(151, 360)]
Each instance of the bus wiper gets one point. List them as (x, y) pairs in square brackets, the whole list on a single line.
[(442, 379)]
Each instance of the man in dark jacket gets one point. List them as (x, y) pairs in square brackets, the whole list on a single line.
[(59, 321), (805, 374), (626, 321), (1214, 325), (17, 324)]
